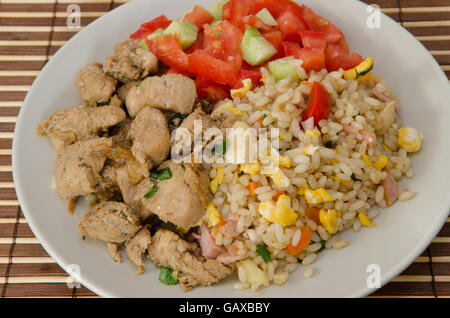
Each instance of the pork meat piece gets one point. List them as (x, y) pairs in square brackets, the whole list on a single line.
[(94, 85), (66, 126), (169, 250), (110, 221), (123, 90), (180, 200), (151, 138), (137, 246), (78, 166), (114, 251), (130, 62), (174, 92)]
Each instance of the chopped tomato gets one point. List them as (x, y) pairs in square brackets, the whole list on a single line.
[(255, 76), (276, 38), (337, 58), (235, 11), (198, 44), (212, 91), (150, 26), (227, 46), (275, 7), (257, 23), (213, 69), (291, 24), (168, 50), (314, 40), (317, 23), (313, 59), (343, 45), (319, 104), (173, 70), (302, 244), (199, 16)]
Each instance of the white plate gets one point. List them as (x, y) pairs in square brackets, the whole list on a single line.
[(403, 231)]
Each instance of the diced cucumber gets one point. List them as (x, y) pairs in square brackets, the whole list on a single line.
[(283, 68), (155, 33), (185, 32), (266, 17), (216, 9), (255, 48), (213, 27)]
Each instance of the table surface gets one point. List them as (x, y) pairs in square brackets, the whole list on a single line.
[(31, 31)]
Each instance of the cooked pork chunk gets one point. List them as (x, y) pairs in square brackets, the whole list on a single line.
[(123, 90), (94, 85), (172, 92), (109, 221), (168, 249), (78, 167), (119, 134), (130, 62), (151, 138), (180, 200), (137, 246), (66, 126), (114, 251)]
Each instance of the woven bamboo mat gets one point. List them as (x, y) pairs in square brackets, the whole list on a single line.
[(31, 31)]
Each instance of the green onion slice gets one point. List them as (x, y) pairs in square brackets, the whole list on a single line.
[(162, 174), (264, 252), (166, 277), (151, 192)]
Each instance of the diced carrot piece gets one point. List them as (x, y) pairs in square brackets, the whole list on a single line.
[(313, 214), (260, 121), (277, 194), (302, 244), (252, 187)]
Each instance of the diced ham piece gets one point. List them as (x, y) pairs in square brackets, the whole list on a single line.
[(230, 229), (361, 135), (383, 97), (210, 250), (308, 124), (392, 189), (231, 255)]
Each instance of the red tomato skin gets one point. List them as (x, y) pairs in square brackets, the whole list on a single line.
[(319, 104), (314, 40), (235, 11), (199, 16), (337, 58), (150, 26), (275, 37), (173, 70), (212, 69), (254, 75), (275, 7), (343, 45), (168, 50), (313, 59), (319, 24), (209, 90), (291, 23), (256, 22)]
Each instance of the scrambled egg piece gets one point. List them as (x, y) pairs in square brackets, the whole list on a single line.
[(280, 212), (251, 168), (212, 215), (240, 92), (364, 219), (235, 111), (254, 275), (329, 220), (381, 162), (277, 176), (214, 184), (316, 196), (310, 150), (284, 161), (313, 132), (410, 139), (283, 213), (346, 183)]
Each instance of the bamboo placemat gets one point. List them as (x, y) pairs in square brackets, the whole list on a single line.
[(31, 31)]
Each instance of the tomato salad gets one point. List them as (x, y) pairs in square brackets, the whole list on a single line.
[(224, 48)]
